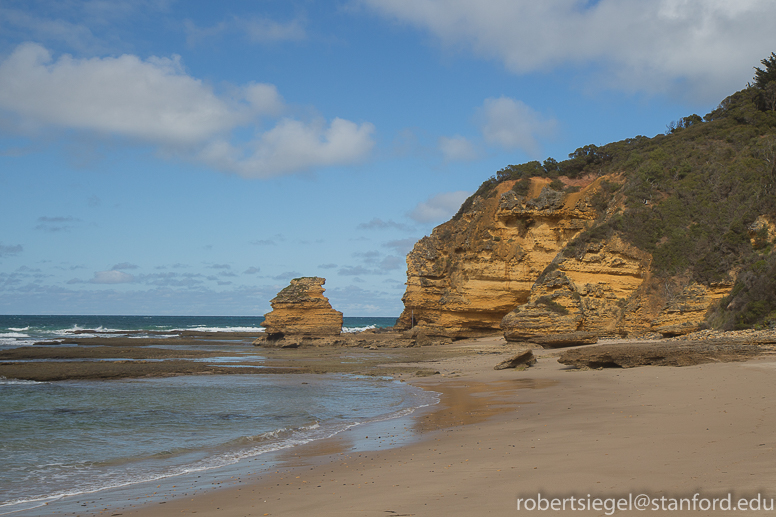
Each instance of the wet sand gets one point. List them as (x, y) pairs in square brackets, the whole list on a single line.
[(502, 435)]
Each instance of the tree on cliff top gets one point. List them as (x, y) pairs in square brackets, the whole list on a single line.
[(763, 77)]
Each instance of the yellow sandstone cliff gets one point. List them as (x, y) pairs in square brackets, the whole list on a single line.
[(507, 258)]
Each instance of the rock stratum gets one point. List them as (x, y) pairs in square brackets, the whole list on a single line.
[(301, 310)]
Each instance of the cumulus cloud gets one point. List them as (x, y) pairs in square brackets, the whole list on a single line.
[(251, 271), (155, 101), (151, 100), (292, 146), (439, 207), (111, 277), (651, 46), (457, 148), (511, 124)]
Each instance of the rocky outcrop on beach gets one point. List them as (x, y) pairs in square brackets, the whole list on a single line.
[(301, 310)]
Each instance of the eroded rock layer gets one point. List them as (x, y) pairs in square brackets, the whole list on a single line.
[(301, 309)]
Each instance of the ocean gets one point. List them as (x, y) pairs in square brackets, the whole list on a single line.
[(68, 439), (25, 330)]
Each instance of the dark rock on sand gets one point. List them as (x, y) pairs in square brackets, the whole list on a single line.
[(524, 357), (629, 355)]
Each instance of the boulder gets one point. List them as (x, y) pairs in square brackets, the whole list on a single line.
[(524, 357), (564, 340)]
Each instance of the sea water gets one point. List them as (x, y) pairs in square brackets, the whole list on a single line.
[(70, 438), (26, 330)]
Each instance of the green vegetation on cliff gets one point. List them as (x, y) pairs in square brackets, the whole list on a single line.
[(690, 197)]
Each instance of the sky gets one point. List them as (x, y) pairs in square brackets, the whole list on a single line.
[(162, 157)]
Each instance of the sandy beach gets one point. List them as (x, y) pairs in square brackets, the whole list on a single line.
[(500, 436)]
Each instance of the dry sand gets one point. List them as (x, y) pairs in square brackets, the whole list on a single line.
[(501, 435)]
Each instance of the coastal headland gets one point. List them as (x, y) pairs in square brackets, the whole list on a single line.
[(499, 435)]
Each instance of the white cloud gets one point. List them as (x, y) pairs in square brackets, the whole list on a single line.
[(111, 277), (151, 100), (293, 146), (709, 46), (264, 98), (155, 101), (457, 148), (511, 124), (439, 207)]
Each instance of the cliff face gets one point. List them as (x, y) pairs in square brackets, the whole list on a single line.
[(473, 270), (301, 309), (509, 263)]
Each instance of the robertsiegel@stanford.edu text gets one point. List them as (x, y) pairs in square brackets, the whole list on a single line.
[(642, 502)]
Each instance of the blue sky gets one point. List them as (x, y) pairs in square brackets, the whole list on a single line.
[(190, 158)]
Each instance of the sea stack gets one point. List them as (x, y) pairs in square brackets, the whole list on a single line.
[(301, 310)]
